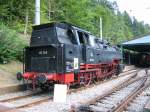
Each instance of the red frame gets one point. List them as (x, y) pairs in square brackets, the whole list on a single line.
[(87, 71)]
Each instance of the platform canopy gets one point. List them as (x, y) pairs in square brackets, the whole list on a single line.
[(140, 45)]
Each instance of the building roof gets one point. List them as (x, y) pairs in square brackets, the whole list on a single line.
[(141, 44), (140, 41)]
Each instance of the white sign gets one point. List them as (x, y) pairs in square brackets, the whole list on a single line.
[(60, 93), (76, 63)]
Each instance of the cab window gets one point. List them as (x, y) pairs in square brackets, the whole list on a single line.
[(92, 41), (65, 36), (83, 38)]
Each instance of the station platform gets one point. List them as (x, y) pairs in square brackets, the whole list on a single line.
[(147, 106)]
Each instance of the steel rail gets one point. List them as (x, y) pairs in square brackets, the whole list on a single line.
[(92, 101), (121, 107)]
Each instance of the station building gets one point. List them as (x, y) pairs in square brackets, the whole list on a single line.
[(137, 51)]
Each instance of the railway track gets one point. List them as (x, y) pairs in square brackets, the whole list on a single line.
[(114, 100), (45, 98), (138, 100), (21, 97)]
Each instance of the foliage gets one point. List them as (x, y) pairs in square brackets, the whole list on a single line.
[(13, 13), (117, 27), (19, 15), (11, 46)]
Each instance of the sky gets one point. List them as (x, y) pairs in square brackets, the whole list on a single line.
[(140, 9)]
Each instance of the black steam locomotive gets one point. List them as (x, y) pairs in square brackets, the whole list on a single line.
[(66, 54)]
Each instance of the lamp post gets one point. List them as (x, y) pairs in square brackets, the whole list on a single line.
[(100, 25), (101, 28), (37, 12)]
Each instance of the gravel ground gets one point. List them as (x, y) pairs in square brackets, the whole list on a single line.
[(139, 102), (79, 97), (16, 94), (24, 101), (110, 102)]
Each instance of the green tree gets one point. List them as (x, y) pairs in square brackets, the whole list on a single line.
[(11, 45)]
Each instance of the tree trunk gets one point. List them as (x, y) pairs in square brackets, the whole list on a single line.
[(26, 22)]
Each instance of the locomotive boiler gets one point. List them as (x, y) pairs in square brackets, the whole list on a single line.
[(66, 54)]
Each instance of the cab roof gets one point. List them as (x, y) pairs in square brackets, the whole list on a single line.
[(58, 24)]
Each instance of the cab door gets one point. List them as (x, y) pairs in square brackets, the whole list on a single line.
[(87, 51)]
